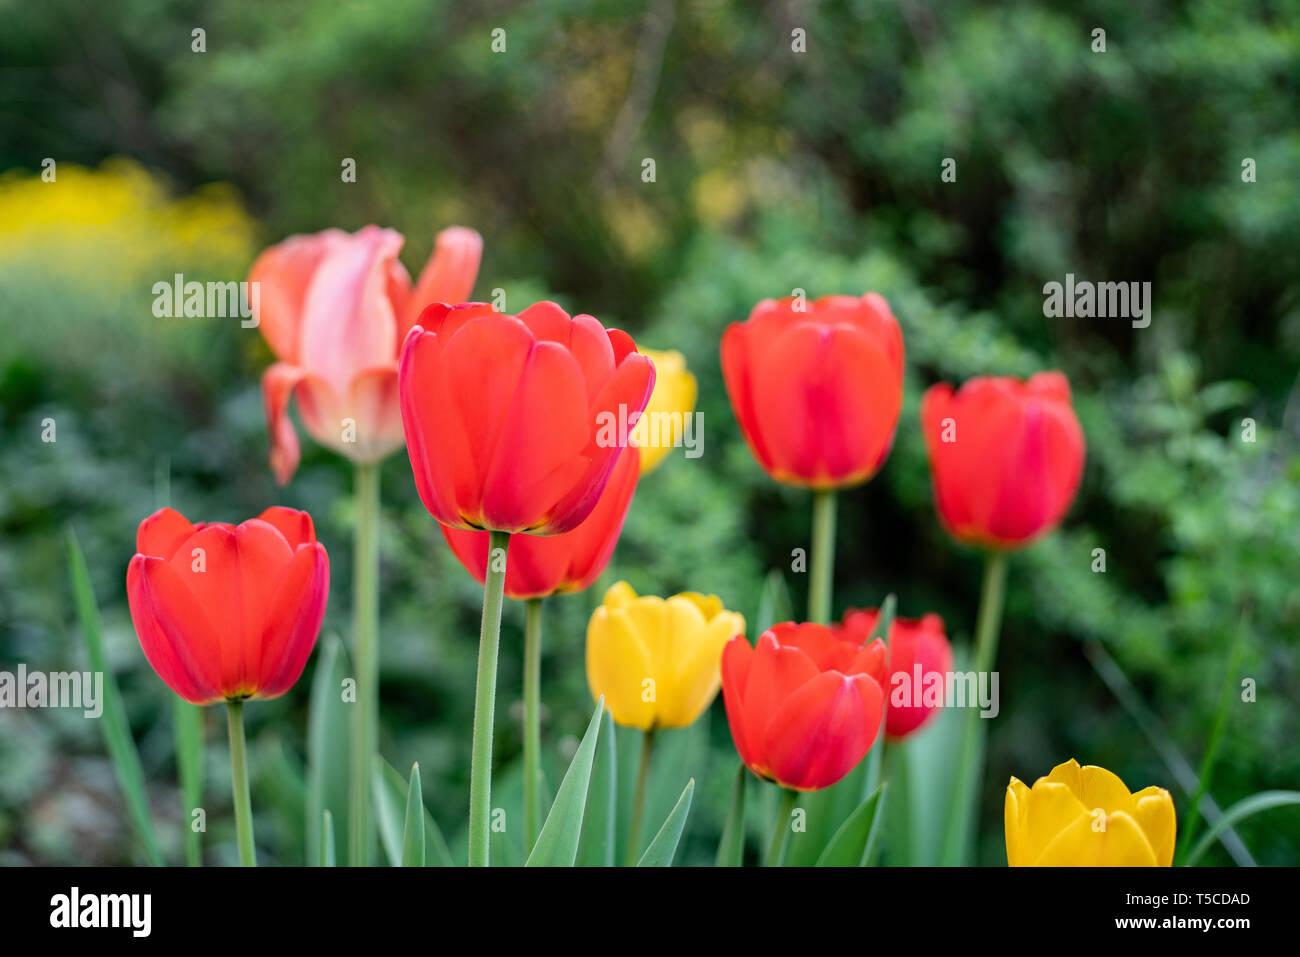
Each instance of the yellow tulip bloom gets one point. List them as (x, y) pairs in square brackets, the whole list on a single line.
[(657, 661), (1086, 817), (673, 399)]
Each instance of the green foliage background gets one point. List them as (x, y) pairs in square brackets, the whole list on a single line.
[(774, 171)]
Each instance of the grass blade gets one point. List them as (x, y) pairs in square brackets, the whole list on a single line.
[(113, 722), (854, 843), (187, 732), (1244, 808), (413, 833), (327, 842), (327, 725), (596, 847), (557, 844), (731, 849)]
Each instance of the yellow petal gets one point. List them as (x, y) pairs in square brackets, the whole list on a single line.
[(1052, 808), (1014, 809), (1066, 773), (698, 672), (1101, 788), (619, 595), (1154, 813), (673, 398), (1112, 840), (617, 667), (709, 605)]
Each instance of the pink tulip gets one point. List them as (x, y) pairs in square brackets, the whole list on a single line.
[(335, 308)]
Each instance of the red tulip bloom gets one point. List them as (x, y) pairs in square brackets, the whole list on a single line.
[(817, 390), (1006, 457), (514, 423), (803, 705), (542, 565), (225, 611), (334, 308), (918, 648)]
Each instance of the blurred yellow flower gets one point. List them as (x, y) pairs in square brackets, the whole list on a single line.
[(657, 661), (660, 427), (1086, 817)]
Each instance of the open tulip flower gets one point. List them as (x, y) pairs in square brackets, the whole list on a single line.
[(1006, 457), (804, 706), (817, 387), (660, 429), (656, 660), (514, 423), (228, 612), (543, 565), (918, 649), (334, 308), (1086, 817)]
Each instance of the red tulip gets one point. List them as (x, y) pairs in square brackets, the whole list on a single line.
[(817, 390), (334, 309), (1006, 457), (912, 643), (224, 611), (542, 565), (803, 705), (514, 423)]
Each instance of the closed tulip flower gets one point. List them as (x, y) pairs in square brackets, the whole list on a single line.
[(656, 660), (673, 400), (228, 612), (334, 308), (918, 650), (542, 565), (817, 387), (804, 706), (1006, 457), (1086, 817), (514, 423)]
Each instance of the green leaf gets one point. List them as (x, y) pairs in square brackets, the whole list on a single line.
[(853, 844), (557, 844), (884, 620), (413, 834), (596, 847), (327, 843), (773, 602), (663, 848), (328, 732), (187, 732), (391, 794), (113, 721), (731, 849), (1263, 801)]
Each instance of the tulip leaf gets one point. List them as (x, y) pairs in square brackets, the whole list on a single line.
[(187, 732), (113, 721), (557, 844), (596, 847), (773, 602), (328, 772), (327, 840), (413, 833), (392, 800), (854, 843), (663, 848), (884, 619), (731, 849), (1263, 801)]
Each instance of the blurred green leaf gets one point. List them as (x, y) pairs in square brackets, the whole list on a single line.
[(852, 845), (328, 730), (663, 847), (413, 833), (731, 849), (597, 845), (557, 844), (1263, 801)]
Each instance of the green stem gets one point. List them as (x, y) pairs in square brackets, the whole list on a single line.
[(902, 839), (776, 849), (821, 563), (638, 799), (485, 693), (187, 731), (239, 783), (365, 630), (532, 719), (965, 791)]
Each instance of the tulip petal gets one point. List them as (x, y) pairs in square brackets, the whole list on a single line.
[(290, 620), (278, 383), (1154, 813), (448, 276), (161, 533), (617, 667), (1087, 842), (282, 275), (177, 640), (737, 660), (296, 526), (821, 731)]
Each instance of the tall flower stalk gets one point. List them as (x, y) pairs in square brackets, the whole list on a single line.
[(485, 693), (532, 719), (365, 628)]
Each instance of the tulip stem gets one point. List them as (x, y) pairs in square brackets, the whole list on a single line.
[(532, 719), (776, 849), (821, 563), (485, 693), (239, 784), (365, 631), (638, 798), (965, 791)]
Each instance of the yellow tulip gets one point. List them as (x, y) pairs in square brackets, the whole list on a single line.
[(657, 661), (1086, 817), (672, 400)]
